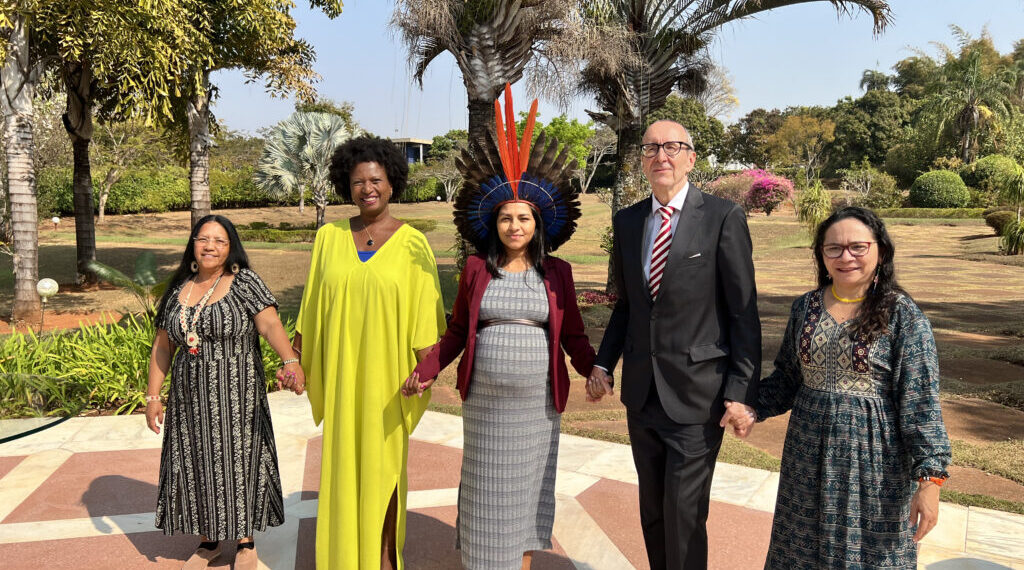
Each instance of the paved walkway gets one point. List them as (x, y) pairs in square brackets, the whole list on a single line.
[(81, 495)]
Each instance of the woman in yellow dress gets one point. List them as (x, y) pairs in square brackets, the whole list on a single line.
[(371, 308)]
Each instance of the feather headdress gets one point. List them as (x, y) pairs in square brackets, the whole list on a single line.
[(506, 169)]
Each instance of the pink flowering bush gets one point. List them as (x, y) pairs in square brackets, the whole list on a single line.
[(767, 191), (588, 298)]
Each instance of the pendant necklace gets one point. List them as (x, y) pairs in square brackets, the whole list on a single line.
[(366, 230), (191, 335)]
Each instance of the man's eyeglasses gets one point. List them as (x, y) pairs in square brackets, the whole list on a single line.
[(671, 148), (216, 242), (856, 249)]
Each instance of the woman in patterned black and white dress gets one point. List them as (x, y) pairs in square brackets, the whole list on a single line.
[(218, 469), (866, 450)]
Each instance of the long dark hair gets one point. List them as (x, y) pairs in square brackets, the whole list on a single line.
[(236, 256), (537, 249), (872, 320)]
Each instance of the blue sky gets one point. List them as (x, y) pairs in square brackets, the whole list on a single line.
[(799, 55)]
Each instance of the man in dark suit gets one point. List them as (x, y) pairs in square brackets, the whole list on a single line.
[(687, 328)]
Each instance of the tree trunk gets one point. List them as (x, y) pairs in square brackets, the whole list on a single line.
[(302, 198), (481, 121), (320, 199), (627, 147), (18, 90), (113, 175), (198, 111), (78, 123)]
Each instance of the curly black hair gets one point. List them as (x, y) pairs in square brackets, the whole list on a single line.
[(368, 148), (872, 320)]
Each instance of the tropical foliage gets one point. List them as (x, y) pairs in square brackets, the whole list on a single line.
[(297, 156)]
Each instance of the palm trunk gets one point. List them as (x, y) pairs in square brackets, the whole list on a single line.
[(18, 90), (198, 111), (481, 121), (78, 123)]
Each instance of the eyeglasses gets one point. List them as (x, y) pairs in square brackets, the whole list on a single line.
[(856, 249), (217, 242), (671, 148)]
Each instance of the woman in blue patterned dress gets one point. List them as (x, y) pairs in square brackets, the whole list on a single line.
[(866, 450)]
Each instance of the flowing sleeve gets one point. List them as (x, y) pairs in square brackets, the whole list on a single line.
[(916, 380), (777, 392), (308, 325), (427, 321), (254, 293)]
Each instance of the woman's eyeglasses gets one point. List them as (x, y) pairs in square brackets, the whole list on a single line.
[(856, 249)]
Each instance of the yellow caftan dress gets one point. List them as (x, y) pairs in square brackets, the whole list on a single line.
[(361, 323)]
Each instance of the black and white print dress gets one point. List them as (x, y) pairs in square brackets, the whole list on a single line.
[(218, 468)]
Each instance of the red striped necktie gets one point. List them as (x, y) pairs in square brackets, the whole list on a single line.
[(659, 253)]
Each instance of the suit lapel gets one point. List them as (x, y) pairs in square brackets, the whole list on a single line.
[(633, 243), (688, 235)]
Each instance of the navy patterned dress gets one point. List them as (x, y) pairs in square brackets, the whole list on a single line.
[(865, 425)]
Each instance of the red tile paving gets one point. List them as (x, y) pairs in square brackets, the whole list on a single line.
[(95, 484), (435, 466), (8, 463), (311, 472), (610, 504), (139, 550)]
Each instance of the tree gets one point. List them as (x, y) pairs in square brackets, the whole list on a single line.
[(601, 143), (122, 145), (345, 110), (1012, 188), (257, 37), (569, 133), (972, 90), (719, 96), (747, 137), (801, 141), (914, 76), (493, 42), (298, 155), (874, 80), (19, 75), (866, 128), (669, 40)]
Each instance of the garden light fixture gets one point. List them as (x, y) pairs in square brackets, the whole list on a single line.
[(46, 288)]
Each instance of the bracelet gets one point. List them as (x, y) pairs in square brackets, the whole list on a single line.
[(151, 399), (937, 480), (289, 361)]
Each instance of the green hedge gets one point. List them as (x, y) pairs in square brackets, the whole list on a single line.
[(934, 213), (278, 236), (985, 173), (939, 189)]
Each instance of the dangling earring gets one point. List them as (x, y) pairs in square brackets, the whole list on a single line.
[(874, 282), (194, 267), (234, 268)]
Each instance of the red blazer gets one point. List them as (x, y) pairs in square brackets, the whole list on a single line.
[(565, 328)]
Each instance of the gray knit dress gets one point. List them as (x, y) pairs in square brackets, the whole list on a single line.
[(510, 426)]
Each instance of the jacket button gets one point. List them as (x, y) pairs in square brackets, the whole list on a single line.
[(654, 353)]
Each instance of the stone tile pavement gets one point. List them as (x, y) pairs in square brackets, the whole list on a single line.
[(82, 494)]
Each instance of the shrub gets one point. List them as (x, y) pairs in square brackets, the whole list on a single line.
[(423, 225), (425, 190), (872, 187), (733, 187), (54, 193), (939, 189), (588, 298), (999, 220), (813, 205), (986, 172), (767, 191), (932, 213), (277, 236), (155, 190), (1013, 237)]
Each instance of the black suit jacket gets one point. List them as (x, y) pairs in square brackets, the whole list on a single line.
[(700, 342)]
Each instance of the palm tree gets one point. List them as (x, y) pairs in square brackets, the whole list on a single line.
[(492, 42), (969, 97), (297, 155), (19, 74), (669, 40)]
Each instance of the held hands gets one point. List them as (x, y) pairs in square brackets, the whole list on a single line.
[(924, 509), (413, 386), (291, 377), (599, 383), (154, 415), (741, 416)]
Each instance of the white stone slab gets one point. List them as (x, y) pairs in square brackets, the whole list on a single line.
[(995, 533), (950, 531), (27, 476), (583, 540)]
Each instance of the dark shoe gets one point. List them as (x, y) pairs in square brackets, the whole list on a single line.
[(201, 559), (245, 559)]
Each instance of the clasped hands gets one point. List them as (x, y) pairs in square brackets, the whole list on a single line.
[(291, 377), (741, 416)]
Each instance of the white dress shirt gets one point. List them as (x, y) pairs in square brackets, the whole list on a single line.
[(653, 224)]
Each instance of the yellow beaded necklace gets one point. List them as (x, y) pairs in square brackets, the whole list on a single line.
[(844, 299)]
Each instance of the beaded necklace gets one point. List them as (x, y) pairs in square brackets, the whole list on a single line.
[(191, 336)]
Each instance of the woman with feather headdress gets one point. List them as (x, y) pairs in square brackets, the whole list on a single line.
[(514, 315)]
